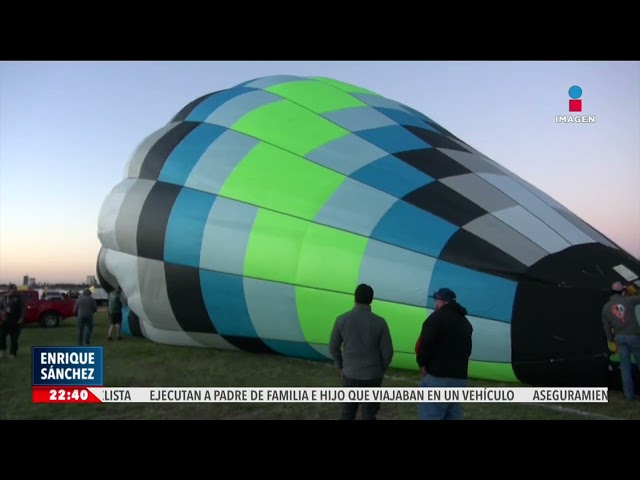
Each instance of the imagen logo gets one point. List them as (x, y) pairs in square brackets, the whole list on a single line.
[(575, 105)]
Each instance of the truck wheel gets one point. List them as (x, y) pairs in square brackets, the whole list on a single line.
[(50, 319)]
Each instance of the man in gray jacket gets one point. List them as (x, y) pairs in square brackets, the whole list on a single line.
[(623, 332), (84, 309), (362, 349)]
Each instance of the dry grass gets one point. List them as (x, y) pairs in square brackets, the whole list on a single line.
[(137, 362)]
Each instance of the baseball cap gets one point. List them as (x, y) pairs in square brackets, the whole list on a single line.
[(445, 294), (617, 287)]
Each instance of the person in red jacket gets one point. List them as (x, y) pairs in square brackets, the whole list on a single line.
[(442, 353)]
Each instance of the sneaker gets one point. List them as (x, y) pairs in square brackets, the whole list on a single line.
[(109, 339)]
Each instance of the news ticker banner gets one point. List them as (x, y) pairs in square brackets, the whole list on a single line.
[(76, 375), (317, 395)]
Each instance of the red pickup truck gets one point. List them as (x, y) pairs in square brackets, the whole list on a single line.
[(47, 312)]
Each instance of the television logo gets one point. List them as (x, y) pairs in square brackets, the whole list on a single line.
[(575, 105)]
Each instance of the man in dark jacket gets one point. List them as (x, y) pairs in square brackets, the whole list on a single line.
[(362, 350), (12, 315), (443, 352)]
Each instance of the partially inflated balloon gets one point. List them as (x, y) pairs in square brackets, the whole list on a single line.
[(249, 219)]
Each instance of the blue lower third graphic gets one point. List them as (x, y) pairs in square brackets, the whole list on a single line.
[(68, 366)]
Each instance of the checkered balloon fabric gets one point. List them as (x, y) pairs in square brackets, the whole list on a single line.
[(248, 220)]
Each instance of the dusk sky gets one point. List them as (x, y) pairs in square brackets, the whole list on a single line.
[(67, 130)]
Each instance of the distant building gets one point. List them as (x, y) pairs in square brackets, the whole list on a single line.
[(32, 281), (91, 280), (25, 280)]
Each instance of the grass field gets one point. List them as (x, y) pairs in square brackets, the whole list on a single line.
[(135, 362)]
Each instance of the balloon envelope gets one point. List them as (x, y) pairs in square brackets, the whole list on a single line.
[(248, 220)]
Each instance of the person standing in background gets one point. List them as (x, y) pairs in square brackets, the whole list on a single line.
[(84, 309), (623, 332), (442, 353), (362, 349), (115, 312), (12, 310)]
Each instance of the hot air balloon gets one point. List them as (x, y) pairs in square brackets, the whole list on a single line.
[(247, 221)]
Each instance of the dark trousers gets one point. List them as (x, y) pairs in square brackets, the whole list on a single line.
[(85, 329), (369, 410), (12, 330)]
